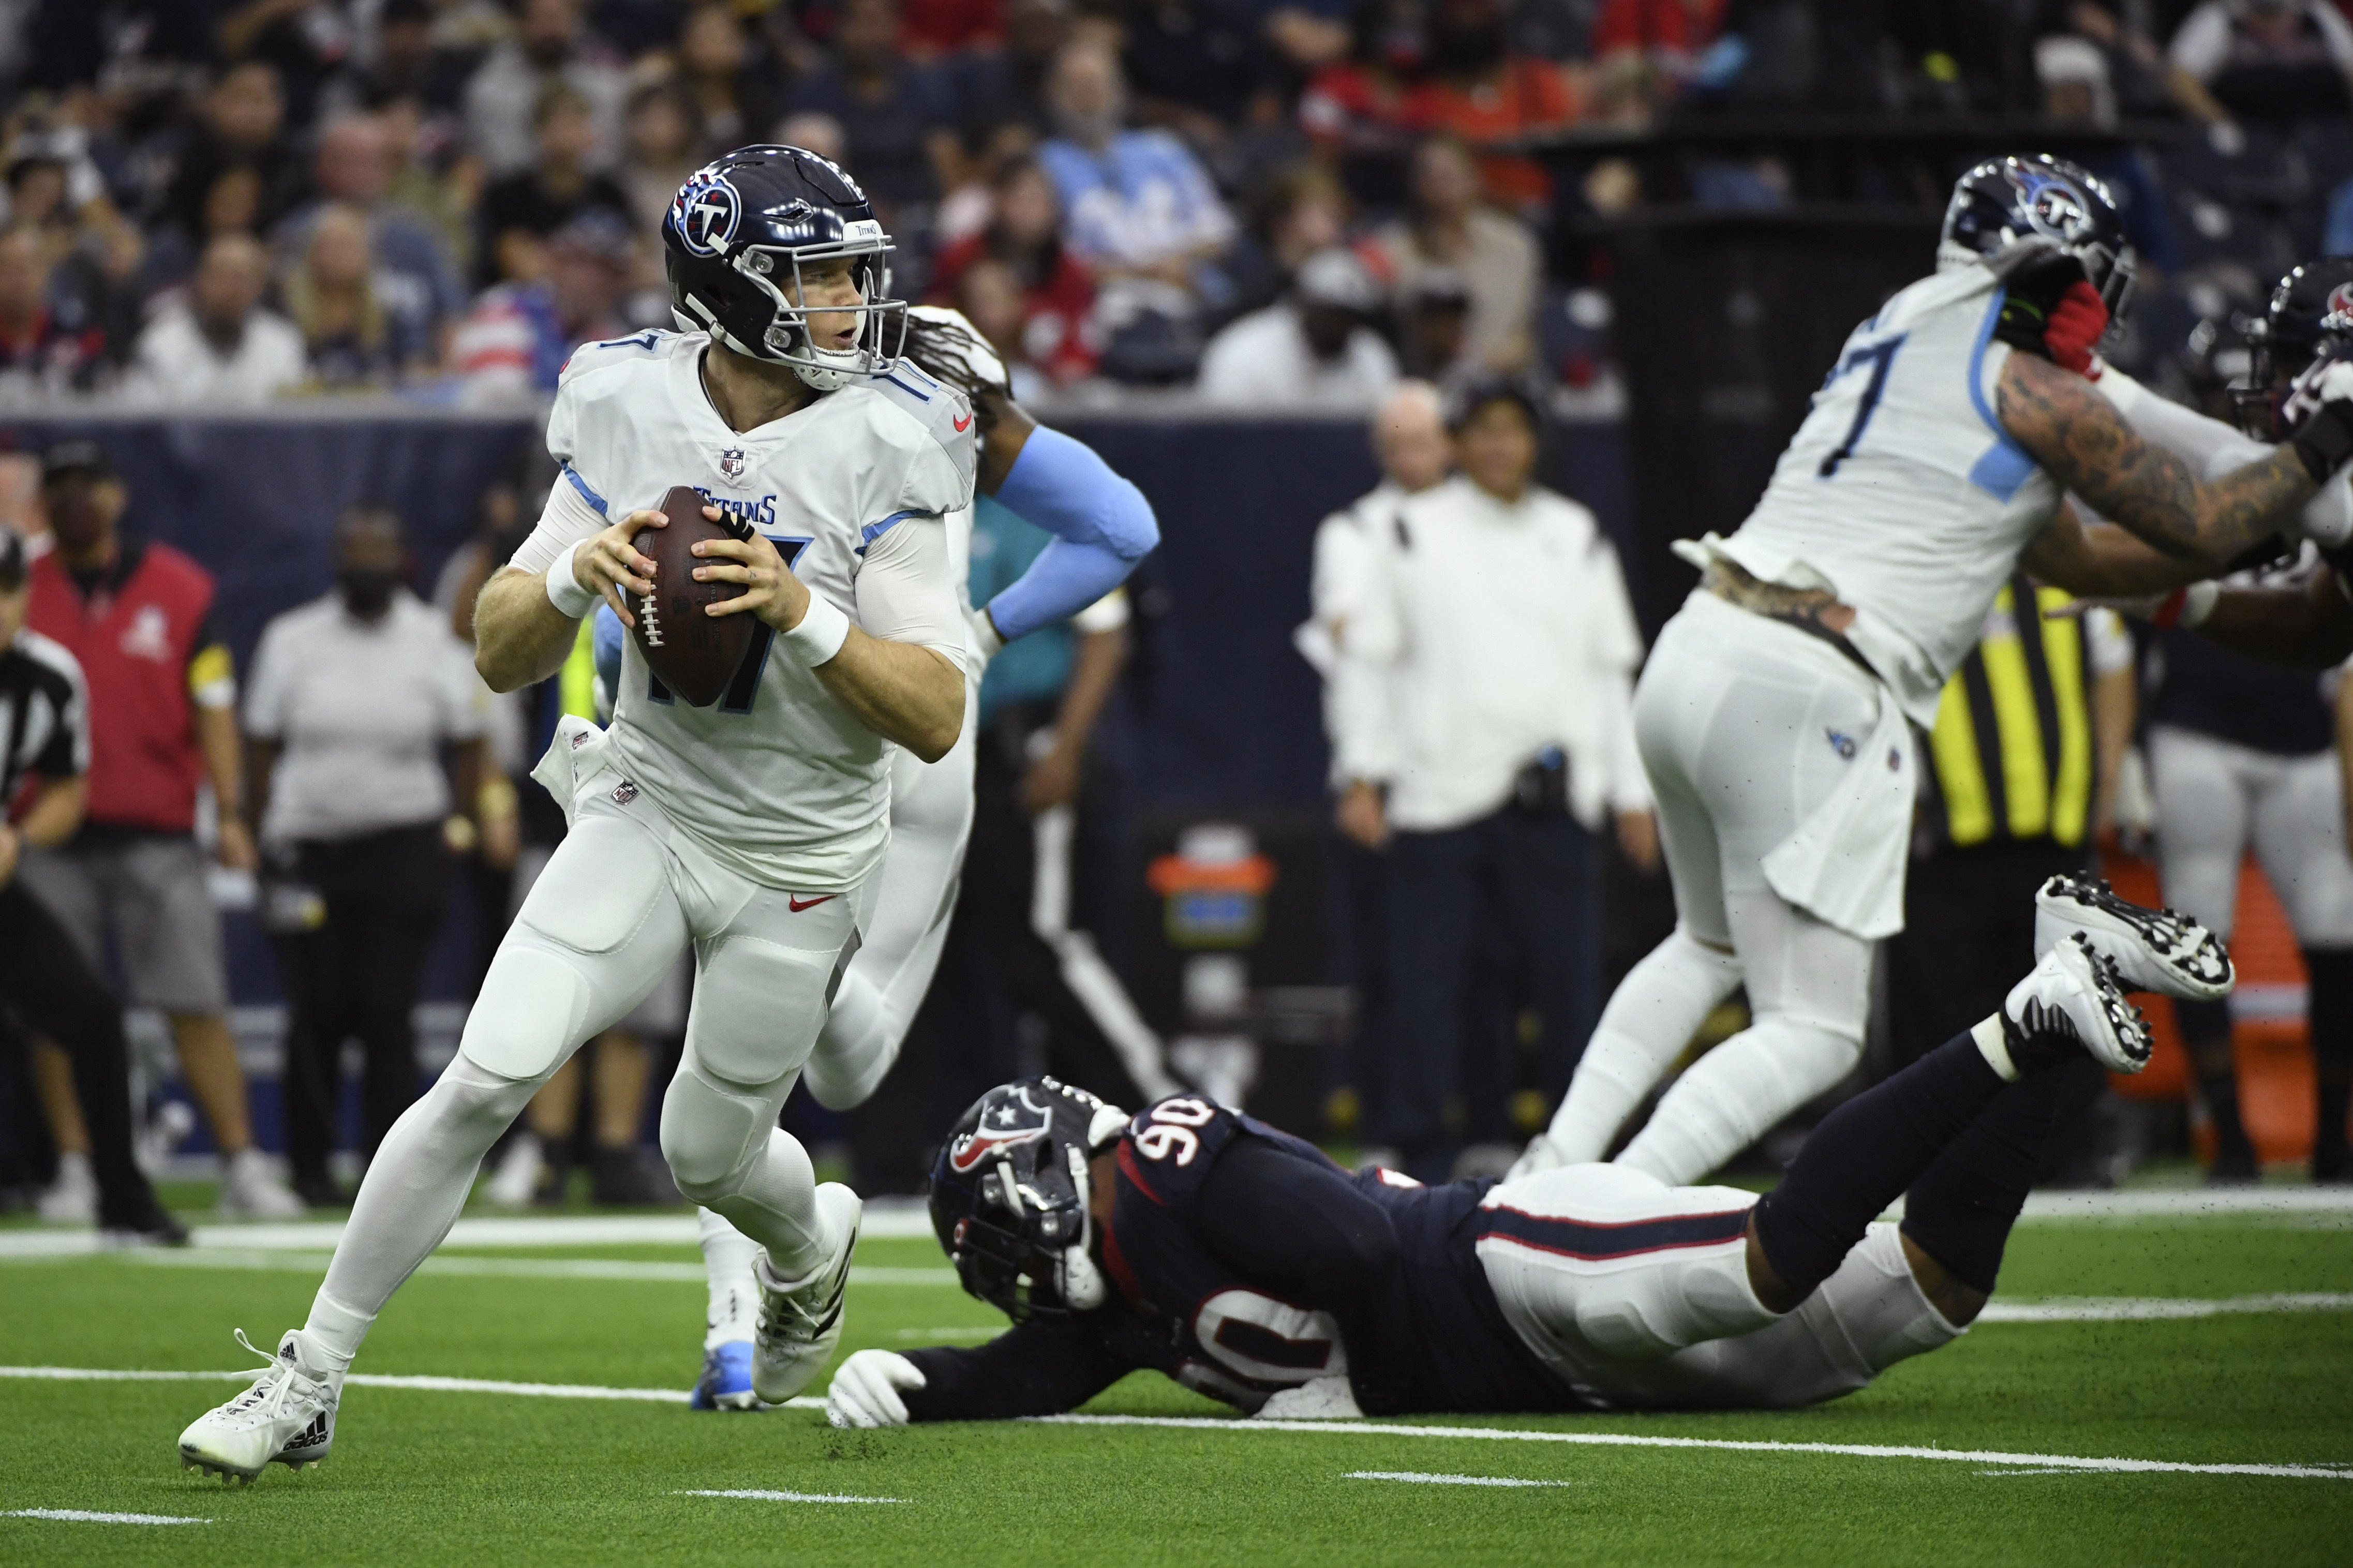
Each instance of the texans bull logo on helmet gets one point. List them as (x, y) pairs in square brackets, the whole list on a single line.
[(2338, 315), (705, 211), (1020, 1120)]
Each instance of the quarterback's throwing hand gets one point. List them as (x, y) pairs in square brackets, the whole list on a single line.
[(609, 566), (865, 1391), (771, 591)]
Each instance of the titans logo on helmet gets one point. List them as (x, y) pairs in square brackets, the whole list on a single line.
[(2053, 205), (705, 213)]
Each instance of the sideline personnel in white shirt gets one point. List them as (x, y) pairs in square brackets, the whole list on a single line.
[(353, 699), (218, 348), (1500, 615)]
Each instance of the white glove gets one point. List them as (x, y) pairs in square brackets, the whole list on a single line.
[(865, 1391), (2329, 379), (1541, 1154), (1320, 1399), (984, 635)]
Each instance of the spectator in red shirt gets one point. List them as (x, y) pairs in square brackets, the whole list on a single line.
[(137, 616), (1025, 236), (1646, 49), (1355, 108), (42, 352), (928, 28), (1482, 93)]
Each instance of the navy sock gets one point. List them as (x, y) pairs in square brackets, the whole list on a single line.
[(1960, 1210), (2330, 1012), (1866, 1153)]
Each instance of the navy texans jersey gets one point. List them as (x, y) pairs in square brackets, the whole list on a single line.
[(1292, 1271)]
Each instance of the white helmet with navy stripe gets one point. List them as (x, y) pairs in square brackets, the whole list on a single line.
[(736, 239)]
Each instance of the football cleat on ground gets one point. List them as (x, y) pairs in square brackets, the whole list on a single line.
[(287, 1415), (252, 1189), (2071, 1001), (800, 1320), (727, 1380), (2153, 950)]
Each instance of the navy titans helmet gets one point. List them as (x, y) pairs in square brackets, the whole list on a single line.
[(1008, 1197), (739, 234), (2310, 312), (2034, 198)]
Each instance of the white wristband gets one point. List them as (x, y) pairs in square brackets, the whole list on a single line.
[(2198, 602), (823, 629), (563, 590)]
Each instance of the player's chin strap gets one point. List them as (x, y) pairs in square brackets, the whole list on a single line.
[(1083, 1288)]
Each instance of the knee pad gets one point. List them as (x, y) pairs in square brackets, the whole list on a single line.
[(712, 1132), (758, 1005), (531, 1012)]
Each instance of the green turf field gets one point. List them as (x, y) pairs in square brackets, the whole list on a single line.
[(432, 1476)]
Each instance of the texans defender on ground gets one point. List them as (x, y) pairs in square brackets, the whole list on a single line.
[(1245, 1265), (1102, 526), (1774, 715), (751, 829)]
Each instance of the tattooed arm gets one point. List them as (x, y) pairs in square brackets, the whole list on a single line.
[(2077, 435), (2101, 560)]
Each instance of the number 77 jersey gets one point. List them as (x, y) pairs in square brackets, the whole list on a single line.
[(1902, 488)]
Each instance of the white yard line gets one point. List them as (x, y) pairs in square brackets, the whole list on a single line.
[(792, 1497), (495, 1268), (1212, 1423), (2131, 1308), (1429, 1480), (83, 1516), (1633, 1440)]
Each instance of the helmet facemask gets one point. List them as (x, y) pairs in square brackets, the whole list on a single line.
[(783, 274)]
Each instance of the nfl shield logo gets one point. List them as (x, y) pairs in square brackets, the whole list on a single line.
[(731, 462)]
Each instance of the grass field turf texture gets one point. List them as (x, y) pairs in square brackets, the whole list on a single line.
[(435, 1476)]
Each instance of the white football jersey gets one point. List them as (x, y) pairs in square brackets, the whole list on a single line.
[(776, 778), (1902, 489)]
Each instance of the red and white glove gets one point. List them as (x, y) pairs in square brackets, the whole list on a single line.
[(2078, 322)]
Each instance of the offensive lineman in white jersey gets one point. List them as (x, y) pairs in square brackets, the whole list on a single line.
[(1102, 526), (751, 829), (1774, 716)]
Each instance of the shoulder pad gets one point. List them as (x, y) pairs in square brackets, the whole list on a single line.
[(605, 352), (1169, 1146), (943, 411)]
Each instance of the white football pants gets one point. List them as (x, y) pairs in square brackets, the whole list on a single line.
[(624, 895), (880, 991), (1741, 720), (1637, 1294), (2215, 798)]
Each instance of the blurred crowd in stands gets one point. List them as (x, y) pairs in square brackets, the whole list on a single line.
[(219, 202)]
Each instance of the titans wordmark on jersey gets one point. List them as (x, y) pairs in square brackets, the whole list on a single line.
[(777, 778)]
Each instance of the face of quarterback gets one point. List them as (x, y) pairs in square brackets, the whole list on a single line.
[(1497, 449), (830, 293)]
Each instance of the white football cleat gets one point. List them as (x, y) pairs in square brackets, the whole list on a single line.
[(2153, 950), (2071, 1001), (800, 1320), (251, 1188), (72, 1198), (288, 1415)]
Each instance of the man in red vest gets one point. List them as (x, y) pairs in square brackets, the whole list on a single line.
[(163, 704)]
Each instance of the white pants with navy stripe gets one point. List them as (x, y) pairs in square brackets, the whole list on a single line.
[(2216, 799), (1637, 1294)]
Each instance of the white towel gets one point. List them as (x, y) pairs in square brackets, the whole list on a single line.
[(576, 751), (1845, 863)]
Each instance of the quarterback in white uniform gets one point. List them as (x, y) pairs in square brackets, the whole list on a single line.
[(751, 829), (1775, 714)]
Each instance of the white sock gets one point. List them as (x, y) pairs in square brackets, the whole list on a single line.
[(1732, 1097), (411, 1196), (727, 1257), (1650, 1017), (775, 1206), (855, 1049)]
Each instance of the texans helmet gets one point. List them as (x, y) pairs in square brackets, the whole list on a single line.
[(736, 239), (2310, 311), (2028, 198), (1009, 1193)]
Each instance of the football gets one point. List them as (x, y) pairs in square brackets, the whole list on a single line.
[(691, 654)]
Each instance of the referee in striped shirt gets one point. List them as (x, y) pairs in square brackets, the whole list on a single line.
[(45, 982)]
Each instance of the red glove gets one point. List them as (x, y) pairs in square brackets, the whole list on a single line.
[(2077, 323)]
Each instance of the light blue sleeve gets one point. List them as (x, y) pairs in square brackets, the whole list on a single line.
[(606, 638), (1102, 526)]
